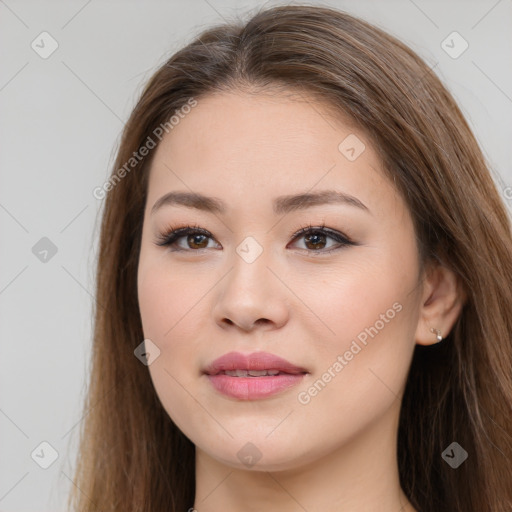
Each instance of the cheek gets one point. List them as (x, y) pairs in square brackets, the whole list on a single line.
[(170, 315), (166, 299), (170, 319), (371, 310), (364, 299), (359, 378)]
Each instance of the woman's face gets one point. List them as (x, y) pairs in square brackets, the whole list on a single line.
[(340, 303)]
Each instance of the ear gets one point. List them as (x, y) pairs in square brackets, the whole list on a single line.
[(441, 304)]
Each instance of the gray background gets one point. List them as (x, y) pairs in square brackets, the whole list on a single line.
[(60, 125)]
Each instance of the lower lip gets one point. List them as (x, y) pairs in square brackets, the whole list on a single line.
[(253, 388)]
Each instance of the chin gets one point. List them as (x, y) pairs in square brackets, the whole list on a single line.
[(259, 453)]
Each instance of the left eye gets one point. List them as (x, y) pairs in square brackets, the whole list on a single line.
[(315, 239)]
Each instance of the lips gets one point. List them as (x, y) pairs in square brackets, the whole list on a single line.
[(237, 364), (253, 376)]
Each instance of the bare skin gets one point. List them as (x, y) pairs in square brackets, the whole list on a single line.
[(329, 450)]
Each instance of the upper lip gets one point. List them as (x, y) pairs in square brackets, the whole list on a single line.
[(254, 361)]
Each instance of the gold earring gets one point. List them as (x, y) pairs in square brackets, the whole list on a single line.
[(437, 332)]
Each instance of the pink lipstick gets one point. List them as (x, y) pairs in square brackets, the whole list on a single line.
[(253, 376)]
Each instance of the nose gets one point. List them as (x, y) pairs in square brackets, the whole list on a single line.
[(251, 296)]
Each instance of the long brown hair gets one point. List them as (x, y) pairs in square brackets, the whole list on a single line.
[(132, 456)]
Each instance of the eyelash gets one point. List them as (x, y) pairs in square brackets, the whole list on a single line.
[(173, 234)]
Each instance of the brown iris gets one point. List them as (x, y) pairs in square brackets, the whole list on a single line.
[(194, 241), (314, 238)]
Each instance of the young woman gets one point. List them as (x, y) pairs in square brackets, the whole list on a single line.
[(303, 286)]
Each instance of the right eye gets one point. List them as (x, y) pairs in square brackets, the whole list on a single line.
[(195, 237)]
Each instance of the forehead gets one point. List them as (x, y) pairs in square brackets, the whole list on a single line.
[(257, 128), (250, 147)]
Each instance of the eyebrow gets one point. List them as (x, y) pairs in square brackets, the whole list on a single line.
[(281, 204)]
